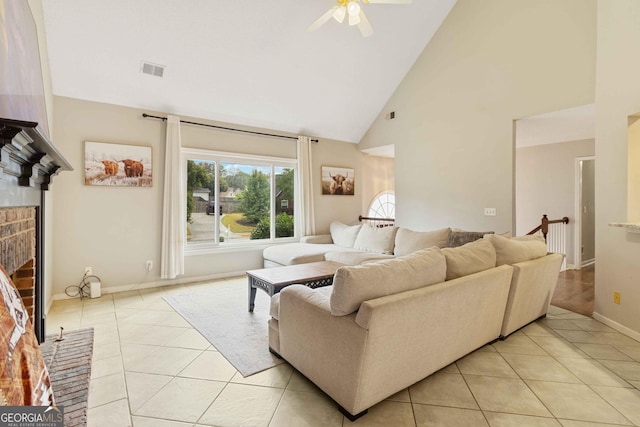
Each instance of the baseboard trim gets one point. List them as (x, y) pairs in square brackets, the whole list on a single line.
[(588, 262), (617, 326), (158, 284)]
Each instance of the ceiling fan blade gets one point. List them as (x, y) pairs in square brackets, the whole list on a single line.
[(322, 20), (388, 1), (364, 25)]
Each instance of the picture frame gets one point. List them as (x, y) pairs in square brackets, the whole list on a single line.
[(338, 181), (117, 165)]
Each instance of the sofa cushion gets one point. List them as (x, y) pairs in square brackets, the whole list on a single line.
[(409, 241), (353, 257), (344, 235), (376, 239), (274, 308), (352, 285), (469, 258), (517, 249), (296, 253), (461, 237)]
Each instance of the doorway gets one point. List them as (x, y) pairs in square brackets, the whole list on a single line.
[(585, 241)]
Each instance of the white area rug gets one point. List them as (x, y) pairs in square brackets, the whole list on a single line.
[(221, 315)]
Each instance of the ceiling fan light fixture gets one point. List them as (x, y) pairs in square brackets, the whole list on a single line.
[(354, 19), (353, 8), (340, 13)]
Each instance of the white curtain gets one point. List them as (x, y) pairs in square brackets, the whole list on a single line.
[(174, 221), (305, 184)]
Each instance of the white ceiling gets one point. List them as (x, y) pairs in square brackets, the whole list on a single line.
[(572, 124), (239, 61)]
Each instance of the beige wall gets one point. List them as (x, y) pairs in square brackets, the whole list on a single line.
[(617, 97), (491, 62), (115, 230), (545, 184), (378, 176)]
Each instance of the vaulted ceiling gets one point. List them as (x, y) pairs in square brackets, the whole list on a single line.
[(239, 61)]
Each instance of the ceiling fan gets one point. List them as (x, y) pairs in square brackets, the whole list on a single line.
[(356, 15)]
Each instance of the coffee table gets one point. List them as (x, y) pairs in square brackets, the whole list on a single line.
[(273, 280)]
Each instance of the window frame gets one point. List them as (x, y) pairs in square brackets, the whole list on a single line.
[(219, 157)]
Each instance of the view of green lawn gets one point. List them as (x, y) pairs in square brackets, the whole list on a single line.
[(233, 222)]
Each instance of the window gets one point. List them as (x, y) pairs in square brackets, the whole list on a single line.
[(383, 205), (238, 199)]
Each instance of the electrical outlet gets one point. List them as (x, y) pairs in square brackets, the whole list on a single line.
[(490, 212), (149, 265), (616, 297), (88, 271)]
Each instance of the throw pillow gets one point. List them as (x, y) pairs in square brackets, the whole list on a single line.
[(352, 285), (344, 235), (469, 258), (408, 241), (375, 239), (461, 237), (517, 249)]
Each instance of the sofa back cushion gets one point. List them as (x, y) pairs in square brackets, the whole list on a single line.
[(460, 237), (517, 249), (352, 285), (408, 241), (376, 239), (469, 258), (343, 235)]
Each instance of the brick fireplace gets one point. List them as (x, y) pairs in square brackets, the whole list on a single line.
[(18, 251)]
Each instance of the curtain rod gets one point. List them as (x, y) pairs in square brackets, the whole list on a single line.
[(145, 115)]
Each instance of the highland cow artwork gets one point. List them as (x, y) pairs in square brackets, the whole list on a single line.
[(117, 165), (338, 181)]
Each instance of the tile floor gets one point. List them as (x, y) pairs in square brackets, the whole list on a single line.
[(151, 369)]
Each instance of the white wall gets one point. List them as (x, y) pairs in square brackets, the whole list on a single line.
[(545, 184), (491, 62), (617, 97), (115, 230)]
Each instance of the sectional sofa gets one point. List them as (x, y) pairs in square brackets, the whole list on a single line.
[(387, 324)]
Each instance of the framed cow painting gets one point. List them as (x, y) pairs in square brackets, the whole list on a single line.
[(338, 181), (117, 165)]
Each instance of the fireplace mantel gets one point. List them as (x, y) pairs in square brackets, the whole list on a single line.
[(28, 155)]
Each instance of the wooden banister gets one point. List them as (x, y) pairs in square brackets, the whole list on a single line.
[(367, 218), (544, 225)]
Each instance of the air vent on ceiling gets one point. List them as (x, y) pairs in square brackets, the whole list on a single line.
[(152, 69)]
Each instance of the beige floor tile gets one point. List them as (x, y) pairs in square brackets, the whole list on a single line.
[(575, 401), (592, 372), (135, 353), (142, 387), (209, 365), (97, 309), (569, 316), (105, 337), (625, 400), (174, 319), (537, 330), (557, 324), (98, 319), (154, 304), (636, 384), (149, 334), (190, 338), (625, 369), (579, 336), (603, 351), (573, 423), (299, 382), (544, 368), (483, 363), (557, 310), (182, 399), (163, 361), (558, 347), (401, 396), (385, 414), (104, 351), (69, 321), (519, 344), (613, 338), (505, 395), (306, 409), (156, 422), (451, 369), (277, 377), (632, 352), (592, 325), (487, 348), (497, 419), (110, 415), (70, 305), (427, 416), (141, 317), (106, 389), (243, 405), (442, 389), (103, 367)]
